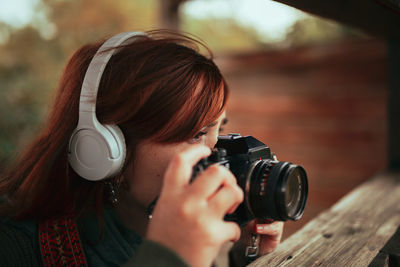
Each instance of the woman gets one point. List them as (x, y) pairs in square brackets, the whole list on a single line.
[(169, 102)]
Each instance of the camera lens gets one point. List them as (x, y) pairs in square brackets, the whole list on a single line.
[(276, 190), (294, 204)]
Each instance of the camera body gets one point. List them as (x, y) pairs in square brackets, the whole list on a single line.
[(272, 189)]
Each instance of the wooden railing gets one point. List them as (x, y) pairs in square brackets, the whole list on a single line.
[(356, 231)]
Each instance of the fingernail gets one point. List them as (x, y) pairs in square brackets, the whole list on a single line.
[(259, 228)]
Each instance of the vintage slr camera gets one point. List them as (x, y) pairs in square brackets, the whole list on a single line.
[(272, 189)]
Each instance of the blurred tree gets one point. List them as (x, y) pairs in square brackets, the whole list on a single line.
[(316, 30), (222, 35), (28, 68), (79, 21), (33, 57)]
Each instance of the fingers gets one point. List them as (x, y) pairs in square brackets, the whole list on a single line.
[(210, 180), (179, 170), (274, 230), (271, 235), (219, 186), (226, 200)]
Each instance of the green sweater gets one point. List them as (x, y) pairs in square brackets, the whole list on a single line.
[(115, 246)]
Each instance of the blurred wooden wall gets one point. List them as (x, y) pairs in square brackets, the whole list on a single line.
[(323, 107)]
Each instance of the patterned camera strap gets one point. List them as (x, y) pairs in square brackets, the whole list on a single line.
[(60, 244)]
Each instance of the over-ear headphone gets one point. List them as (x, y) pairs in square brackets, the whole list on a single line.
[(97, 151)]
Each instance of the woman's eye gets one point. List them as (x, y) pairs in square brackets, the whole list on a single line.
[(198, 136)]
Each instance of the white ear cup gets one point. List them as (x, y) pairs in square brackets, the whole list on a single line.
[(97, 154)]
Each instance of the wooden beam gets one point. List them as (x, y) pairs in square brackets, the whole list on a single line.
[(371, 16), (351, 233), (394, 106), (389, 255)]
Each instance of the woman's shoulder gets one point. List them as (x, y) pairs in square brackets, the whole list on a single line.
[(17, 243)]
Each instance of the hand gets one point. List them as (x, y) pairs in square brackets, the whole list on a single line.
[(270, 237), (188, 218)]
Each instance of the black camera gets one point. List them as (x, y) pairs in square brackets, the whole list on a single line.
[(272, 189)]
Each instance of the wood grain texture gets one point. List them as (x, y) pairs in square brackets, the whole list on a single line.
[(389, 255), (351, 233)]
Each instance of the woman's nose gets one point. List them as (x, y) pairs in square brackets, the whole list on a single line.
[(213, 140)]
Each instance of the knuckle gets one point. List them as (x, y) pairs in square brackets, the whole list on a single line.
[(214, 170), (220, 172), (236, 232), (228, 175), (239, 194), (219, 204), (185, 209), (179, 159), (197, 223), (213, 234)]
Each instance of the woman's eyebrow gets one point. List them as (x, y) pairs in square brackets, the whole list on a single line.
[(211, 124), (223, 122)]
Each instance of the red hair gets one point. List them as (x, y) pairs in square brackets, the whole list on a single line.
[(159, 87)]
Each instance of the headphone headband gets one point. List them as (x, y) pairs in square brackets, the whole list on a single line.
[(97, 151), (91, 82)]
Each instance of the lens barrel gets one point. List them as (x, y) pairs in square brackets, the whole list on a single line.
[(276, 190)]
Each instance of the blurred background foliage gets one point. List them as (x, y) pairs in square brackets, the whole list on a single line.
[(33, 56)]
